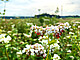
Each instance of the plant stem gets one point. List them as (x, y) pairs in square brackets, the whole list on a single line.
[(7, 54), (77, 33), (48, 49)]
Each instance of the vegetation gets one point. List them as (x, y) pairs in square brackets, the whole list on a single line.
[(22, 39)]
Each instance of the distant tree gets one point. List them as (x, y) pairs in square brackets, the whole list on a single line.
[(57, 10), (41, 21), (39, 10)]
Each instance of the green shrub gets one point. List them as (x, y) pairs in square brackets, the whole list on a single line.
[(41, 21), (21, 27)]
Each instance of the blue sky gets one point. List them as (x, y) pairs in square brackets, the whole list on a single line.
[(30, 7)]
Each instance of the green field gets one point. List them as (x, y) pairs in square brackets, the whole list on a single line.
[(40, 39)]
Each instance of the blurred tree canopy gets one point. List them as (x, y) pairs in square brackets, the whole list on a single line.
[(57, 10)]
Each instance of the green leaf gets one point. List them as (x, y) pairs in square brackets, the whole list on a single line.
[(0, 12), (53, 41), (3, 13), (4, 10)]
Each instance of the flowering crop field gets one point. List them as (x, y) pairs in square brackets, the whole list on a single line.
[(29, 39)]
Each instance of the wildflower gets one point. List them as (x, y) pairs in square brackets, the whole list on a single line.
[(38, 34), (27, 35), (56, 57), (19, 53), (41, 52), (9, 31), (56, 46), (32, 53), (69, 51), (6, 40), (57, 35), (8, 37), (71, 33), (21, 42), (44, 55), (69, 44), (35, 32), (71, 29), (72, 57), (13, 25), (14, 48), (40, 38), (44, 42), (66, 25), (78, 26), (68, 36), (36, 49)]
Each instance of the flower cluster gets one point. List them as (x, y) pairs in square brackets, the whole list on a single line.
[(44, 41), (56, 57), (36, 49), (53, 47), (56, 30), (4, 39)]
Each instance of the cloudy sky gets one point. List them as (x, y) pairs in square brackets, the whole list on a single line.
[(30, 7)]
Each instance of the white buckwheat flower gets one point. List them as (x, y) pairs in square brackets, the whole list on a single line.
[(56, 57)]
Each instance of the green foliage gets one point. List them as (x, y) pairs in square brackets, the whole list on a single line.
[(21, 27), (41, 20), (52, 20), (3, 13), (0, 12), (4, 10), (19, 41), (39, 9), (34, 35), (57, 10)]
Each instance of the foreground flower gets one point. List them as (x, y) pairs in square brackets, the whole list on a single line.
[(5, 39), (19, 53), (56, 30), (2, 37), (69, 51), (13, 25), (36, 49), (72, 57), (56, 57), (56, 46)]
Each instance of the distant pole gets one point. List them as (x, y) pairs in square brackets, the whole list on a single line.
[(61, 10), (4, 9)]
